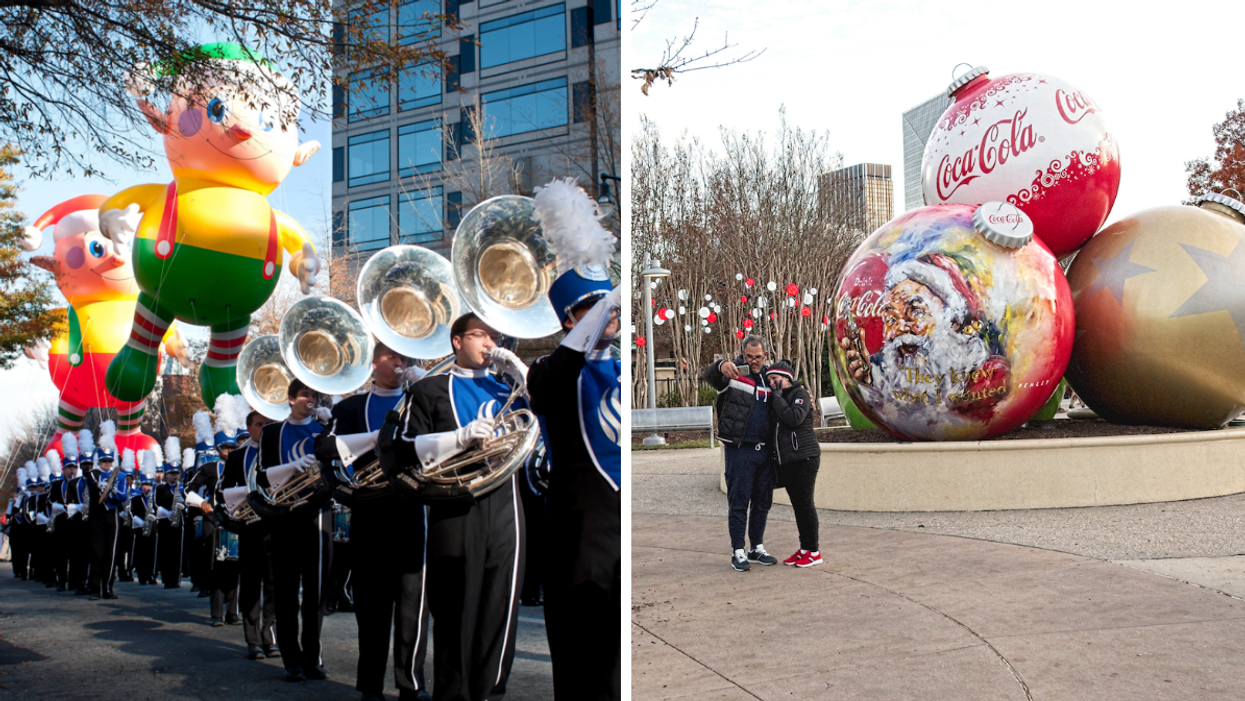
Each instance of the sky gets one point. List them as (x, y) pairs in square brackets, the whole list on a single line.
[(1162, 79)]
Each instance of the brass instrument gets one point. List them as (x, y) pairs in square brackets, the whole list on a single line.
[(264, 376), (105, 490), (326, 345), (149, 523)]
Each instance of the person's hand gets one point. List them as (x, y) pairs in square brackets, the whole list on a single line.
[(412, 375), (729, 370), (509, 364), (855, 364), (323, 415), (474, 432), (206, 507), (304, 462)]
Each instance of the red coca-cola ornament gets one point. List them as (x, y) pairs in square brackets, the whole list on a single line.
[(1032, 140)]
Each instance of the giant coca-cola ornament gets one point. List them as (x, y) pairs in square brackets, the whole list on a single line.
[(1031, 140), (1160, 316), (952, 323)]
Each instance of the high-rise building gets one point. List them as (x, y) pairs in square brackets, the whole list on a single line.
[(862, 194), (918, 124), (537, 81)]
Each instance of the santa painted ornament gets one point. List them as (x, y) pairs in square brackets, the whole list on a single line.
[(1160, 316), (1031, 140), (952, 322)]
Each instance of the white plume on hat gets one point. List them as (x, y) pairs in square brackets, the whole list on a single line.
[(203, 427), (570, 224), (157, 455), (149, 462), (173, 449), (127, 460), (45, 470), (140, 460), (227, 415), (188, 458), (54, 460), (86, 442), (240, 410), (108, 437), (69, 445)]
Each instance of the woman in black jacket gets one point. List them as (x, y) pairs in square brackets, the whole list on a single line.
[(798, 456)]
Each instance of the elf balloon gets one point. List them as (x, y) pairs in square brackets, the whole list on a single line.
[(99, 285), (1031, 140), (207, 247), (951, 323)]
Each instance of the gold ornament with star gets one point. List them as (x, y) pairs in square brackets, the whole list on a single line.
[(1160, 317)]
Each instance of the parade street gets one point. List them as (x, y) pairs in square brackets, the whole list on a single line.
[(154, 643)]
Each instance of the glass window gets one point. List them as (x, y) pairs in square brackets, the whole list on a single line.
[(419, 216), (369, 223), (490, 3), (419, 148), (417, 21), (369, 96), (369, 158), (519, 37), (419, 86), (525, 108), (373, 27)]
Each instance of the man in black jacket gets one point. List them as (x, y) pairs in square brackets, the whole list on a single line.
[(744, 426)]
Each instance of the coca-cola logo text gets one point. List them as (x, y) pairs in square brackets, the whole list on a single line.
[(868, 304), (997, 145), (1074, 106), (1012, 219)]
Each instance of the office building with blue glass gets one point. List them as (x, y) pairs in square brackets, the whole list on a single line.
[(404, 155)]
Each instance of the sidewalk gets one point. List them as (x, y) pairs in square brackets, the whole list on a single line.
[(900, 612)]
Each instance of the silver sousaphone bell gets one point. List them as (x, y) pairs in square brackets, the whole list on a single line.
[(408, 299), (503, 268), (264, 377), (326, 345)]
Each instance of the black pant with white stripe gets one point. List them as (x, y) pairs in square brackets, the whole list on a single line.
[(103, 530), (388, 583), (302, 554), (169, 552), (475, 570), (255, 558)]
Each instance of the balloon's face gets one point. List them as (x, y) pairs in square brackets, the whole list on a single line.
[(88, 269), (242, 135)]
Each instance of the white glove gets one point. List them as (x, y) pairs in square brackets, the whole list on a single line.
[(120, 226), (474, 432), (304, 265), (279, 475), (136, 523), (234, 496), (74, 509), (509, 364), (412, 375), (57, 509), (41, 519), (323, 415), (163, 513), (591, 326), (435, 448), (38, 352), (351, 446), (194, 500)]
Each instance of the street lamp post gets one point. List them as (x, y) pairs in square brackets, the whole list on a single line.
[(652, 271)]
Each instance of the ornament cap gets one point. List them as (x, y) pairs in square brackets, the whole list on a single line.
[(1003, 224), (1236, 207), (966, 79)]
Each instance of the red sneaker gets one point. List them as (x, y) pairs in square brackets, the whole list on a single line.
[(799, 555), (809, 559)]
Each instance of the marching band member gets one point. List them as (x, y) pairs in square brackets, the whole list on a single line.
[(302, 547), (74, 536), (19, 518), (44, 561), (142, 505), (170, 516), (577, 392), (104, 513), (199, 533), (254, 547), (58, 517), (39, 559), (127, 488), (475, 546), (219, 578), (386, 540)]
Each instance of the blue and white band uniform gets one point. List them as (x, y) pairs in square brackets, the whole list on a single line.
[(298, 438), (380, 402), (600, 414), (250, 458), (478, 395)]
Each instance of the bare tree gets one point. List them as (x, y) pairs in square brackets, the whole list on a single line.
[(679, 57)]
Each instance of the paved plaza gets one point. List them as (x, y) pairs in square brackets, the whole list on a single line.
[(1125, 602)]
